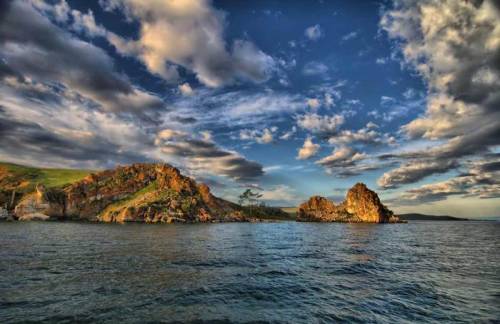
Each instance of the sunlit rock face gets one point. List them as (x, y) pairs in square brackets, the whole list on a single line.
[(361, 205), (140, 192), (42, 204)]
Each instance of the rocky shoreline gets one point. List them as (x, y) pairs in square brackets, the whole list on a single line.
[(159, 193)]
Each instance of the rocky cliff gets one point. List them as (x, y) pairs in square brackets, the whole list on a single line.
[(137, 193), (361, 205)]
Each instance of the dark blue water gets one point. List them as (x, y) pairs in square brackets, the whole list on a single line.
[(270, 272)]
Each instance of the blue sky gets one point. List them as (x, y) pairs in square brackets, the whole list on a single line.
[(292, 98)]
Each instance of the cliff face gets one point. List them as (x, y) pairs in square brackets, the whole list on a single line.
[(137, 193), (361, 205)]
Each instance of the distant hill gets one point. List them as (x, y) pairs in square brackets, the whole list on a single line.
[(416, 216)]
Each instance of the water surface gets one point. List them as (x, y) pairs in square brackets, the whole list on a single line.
[(270, 272)]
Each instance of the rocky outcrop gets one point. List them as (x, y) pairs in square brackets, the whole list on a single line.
[(140, 192), (361, 205), (43, 204), (34, 217), (4, 214)]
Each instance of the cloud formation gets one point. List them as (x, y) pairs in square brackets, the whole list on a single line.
[(189, 34), (454, 46), (341, 159), (314, 33), (413, 171), (80, 66), (308, 150), (481, 181), (203, 156), (322, 125), (365, 135), (264, 136)]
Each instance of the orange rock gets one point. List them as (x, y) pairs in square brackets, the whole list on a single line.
[(361, 205)]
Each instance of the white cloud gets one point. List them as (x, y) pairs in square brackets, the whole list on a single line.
[(265, 136), (454, 46), (366, 135), (320, 124), (186, 89), (329, 102), (287, 135), (189, 34), (314, 32), (85, 23), (308, 150), (315, 68), (349, 36), (313, 103), (341, 159)]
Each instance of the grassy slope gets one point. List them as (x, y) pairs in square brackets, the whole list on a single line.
[(131, 199), (47, 177)]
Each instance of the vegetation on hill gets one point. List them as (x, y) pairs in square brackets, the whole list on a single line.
[(23, 179)]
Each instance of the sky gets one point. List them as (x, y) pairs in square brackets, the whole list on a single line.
[(289, 98)]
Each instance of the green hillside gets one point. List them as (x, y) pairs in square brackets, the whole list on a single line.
[(23, 179)]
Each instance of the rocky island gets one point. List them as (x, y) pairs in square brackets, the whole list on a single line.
[(155, 193), (361, 205)]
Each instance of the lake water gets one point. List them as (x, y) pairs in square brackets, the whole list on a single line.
[(240, 272)]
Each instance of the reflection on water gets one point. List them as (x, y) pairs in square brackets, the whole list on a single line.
[(280, 272)]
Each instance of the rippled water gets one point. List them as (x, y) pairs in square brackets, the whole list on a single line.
[(271, 272)]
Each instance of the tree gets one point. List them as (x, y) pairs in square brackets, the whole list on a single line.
[(249, 198)]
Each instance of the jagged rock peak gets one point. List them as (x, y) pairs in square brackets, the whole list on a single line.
[(361, 205)]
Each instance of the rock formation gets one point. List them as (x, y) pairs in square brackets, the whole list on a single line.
[(360, 206), (4, 214), (140, 192)]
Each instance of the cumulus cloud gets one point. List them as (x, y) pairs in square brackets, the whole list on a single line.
[(85, 23), (314, 32), (308, 149), (264, 136), (454, 46), (346, 162), (341, 157), (365, 135), (189, 34), (186, 89), (203, 156), (324, 125)]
